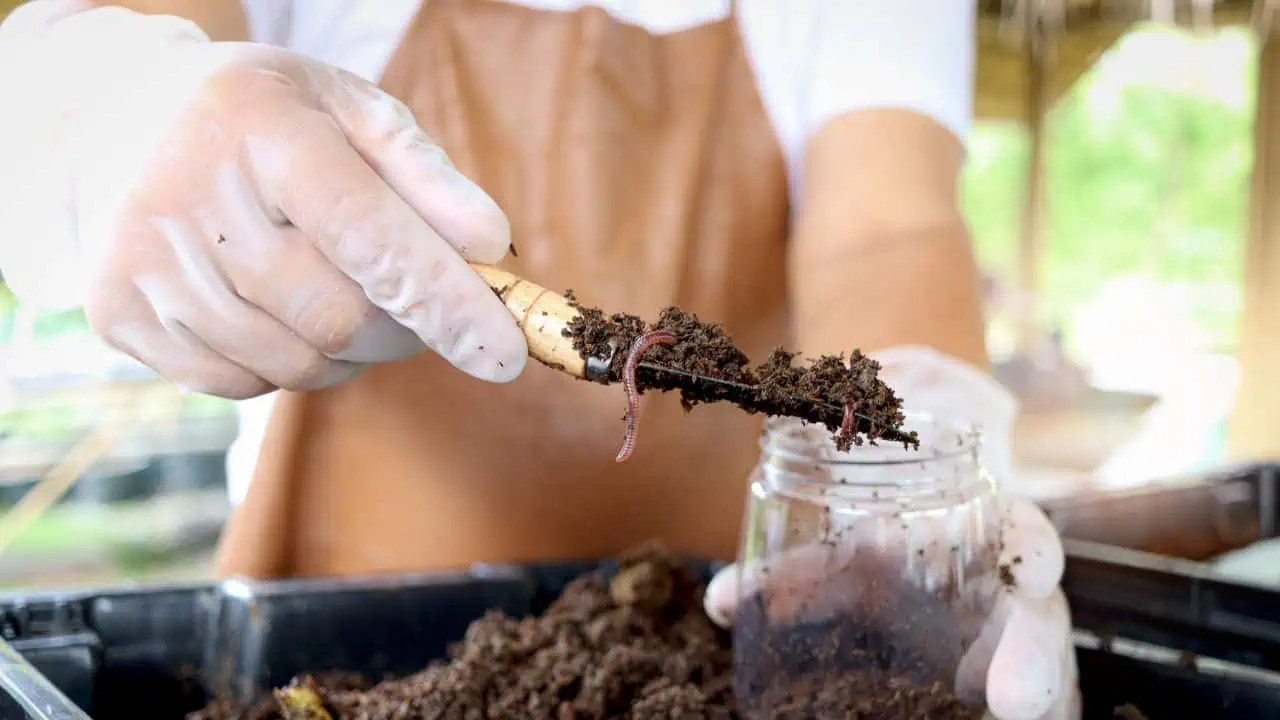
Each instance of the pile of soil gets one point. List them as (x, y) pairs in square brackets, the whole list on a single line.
[(639, 646), (635, 646), (819, 392)]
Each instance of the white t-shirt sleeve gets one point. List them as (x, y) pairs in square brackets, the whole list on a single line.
[(817, 59)]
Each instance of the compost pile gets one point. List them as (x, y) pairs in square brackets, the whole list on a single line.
[(635, 646), (844, 394)]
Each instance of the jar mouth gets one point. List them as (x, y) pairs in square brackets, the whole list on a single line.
[(941, 440)]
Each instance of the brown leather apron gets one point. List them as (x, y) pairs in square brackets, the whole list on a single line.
[(639, 170)]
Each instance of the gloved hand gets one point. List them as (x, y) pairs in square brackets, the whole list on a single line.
[(1027, 639), (239, 217)]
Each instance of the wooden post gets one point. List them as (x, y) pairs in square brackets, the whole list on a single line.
[(1038, 43), (1255, 424)]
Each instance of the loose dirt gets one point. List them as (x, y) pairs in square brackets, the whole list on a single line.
[(634, 646), (840, 386), (638, 646)]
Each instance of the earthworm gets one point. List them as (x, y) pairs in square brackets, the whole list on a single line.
[(846, 424), (638, 348)]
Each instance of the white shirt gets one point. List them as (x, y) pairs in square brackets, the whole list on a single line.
[(813, 60)]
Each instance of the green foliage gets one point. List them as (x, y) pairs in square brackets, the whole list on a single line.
[(45, 325), (8, 303), (1146, 179)]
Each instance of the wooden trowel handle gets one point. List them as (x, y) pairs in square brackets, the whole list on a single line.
[(543, 315)]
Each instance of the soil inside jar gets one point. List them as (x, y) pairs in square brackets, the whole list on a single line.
[(865, 643), (639, 646), (817, 392)]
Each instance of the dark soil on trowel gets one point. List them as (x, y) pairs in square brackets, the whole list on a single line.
[(818, 391)]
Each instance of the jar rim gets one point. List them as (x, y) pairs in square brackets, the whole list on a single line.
[(781, 435)]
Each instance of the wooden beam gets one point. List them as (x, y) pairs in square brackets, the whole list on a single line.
[(1090, 28), (1255, 423), (1076, 13), (1003, 82), (1038, 55)]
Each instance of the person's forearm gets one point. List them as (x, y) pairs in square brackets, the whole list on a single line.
[(881, 255), (919, 288), (221, 19)]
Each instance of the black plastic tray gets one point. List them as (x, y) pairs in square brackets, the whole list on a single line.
[(160, 652)]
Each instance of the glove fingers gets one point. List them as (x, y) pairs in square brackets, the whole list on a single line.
[(790, 577), (126, 322), (197, 296), (255, 341), (327, 309), (1025, 678), (720, 599), (367, 232), (1068, 704), (276, 269), (386, 133), (1032, 550), (971, 675)]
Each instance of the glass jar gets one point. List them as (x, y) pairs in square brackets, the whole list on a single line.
[(867, 576)]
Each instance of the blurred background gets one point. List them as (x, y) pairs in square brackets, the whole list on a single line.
[(1121, 196)]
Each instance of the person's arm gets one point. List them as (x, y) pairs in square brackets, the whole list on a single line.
[(881, 256)]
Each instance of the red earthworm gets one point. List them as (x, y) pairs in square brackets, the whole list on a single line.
[(638, 348), (846, 425)]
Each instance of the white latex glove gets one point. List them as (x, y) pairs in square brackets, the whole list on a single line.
[(1027, 639), (239, 217)]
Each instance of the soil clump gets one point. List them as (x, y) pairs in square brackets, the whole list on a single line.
[(826, 391)]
